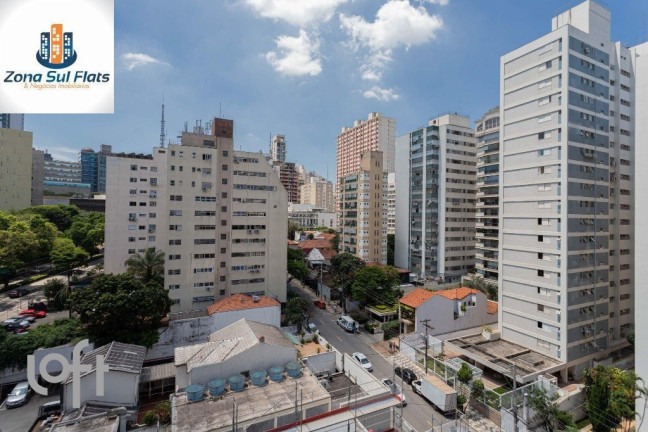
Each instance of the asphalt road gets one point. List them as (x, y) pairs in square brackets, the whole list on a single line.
[(20, 419), (418, 412)]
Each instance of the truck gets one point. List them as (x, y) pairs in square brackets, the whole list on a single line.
[(435, 390)]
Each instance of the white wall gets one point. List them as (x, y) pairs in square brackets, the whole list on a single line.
[(440, 311), (120, 389), (401, 246)]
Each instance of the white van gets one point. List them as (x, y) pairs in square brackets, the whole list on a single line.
[(347, 323)]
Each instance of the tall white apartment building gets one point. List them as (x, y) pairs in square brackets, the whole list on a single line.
[(639, 56), (391, 203), (566, 174), (218, 214), (278, 148), (435, 199), (318, 192), (487, 202)]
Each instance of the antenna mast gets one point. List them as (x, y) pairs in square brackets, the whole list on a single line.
[(162, 130)]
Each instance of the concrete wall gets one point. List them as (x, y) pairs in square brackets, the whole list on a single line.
[(120, 389), (321, 363), (16, 169), (267, 315)]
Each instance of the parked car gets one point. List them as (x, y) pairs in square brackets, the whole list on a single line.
[(347, 323), (395, 389), (15, 323), (20, 395), (320, 304), (312, 328), (29, 318), (33, 313), (407, 374), (18, 292), (49, 409), (363, 360)]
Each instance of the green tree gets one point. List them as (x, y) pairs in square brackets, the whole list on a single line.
[(296, 266), (148, 267), (464, 374), (335, 242), (391, 244), (56, 292), (548, 416), (60, 215), (477, 389), (310, 236), (121, 308), (475, 282), (45, 232), (17, 247), (163, 411), (375, 285), (298, 311), (87, 231), (491, 291), (343, 268), (292, 229), (66, 256)]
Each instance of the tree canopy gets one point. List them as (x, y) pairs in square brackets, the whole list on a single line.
[(548, 417), (610, 395), (343, 268), (121, 308), (296, 265), (66, 256), (298, 311), (375, 285), (148, 267)]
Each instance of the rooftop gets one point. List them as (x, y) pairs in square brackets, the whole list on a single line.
[(229, 342), (91, 417), (492, 307), (117, 356), (315, 243), (420, 295), (240, 302), (251, 404), (500, 355)]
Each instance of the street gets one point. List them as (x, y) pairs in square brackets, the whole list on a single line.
[(418, 412)]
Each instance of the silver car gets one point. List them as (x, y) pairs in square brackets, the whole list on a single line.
[(20, 395)]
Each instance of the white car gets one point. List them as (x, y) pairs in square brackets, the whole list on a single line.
[(395, 389), (364, 361), (312, 328)]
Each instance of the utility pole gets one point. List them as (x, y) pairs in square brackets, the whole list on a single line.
[(427, 327), (515, 405)]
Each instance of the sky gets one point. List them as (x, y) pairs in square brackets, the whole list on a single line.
[(306, 68)]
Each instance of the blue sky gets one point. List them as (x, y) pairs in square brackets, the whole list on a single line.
[(305, 68)]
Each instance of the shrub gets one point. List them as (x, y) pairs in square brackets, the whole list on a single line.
[(463, 308), (461, 399), (149, 418), (163, 411), (316, 339), (390, 328), (477, 389), (369, 328), (359, 316)]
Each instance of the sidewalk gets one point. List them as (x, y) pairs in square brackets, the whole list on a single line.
[(478, 423), (396, 357)]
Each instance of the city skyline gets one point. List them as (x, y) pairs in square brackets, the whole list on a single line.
[(266, 95)]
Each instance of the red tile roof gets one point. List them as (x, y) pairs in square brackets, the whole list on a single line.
[(491, 307), (417, 297), (457, 293), (325, 236), (328, 253), (292, 242), (240, 302), (316, 243)]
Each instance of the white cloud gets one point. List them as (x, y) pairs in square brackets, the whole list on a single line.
[(381, 94), (397, 24), (297, 56), (439, 2), (296, 12), (133, 60), (63, 153)]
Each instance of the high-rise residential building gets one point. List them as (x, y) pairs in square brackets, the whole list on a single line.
[(15, 169), (93, 167), (290, 179), (487, 202), (376, 133), (219, 215), (639, 55), (12, 121), (63, 178), (318, 192), (362, 210), (435, 199), (38, 177), (566, 174), (278, 148), (310, 216), (391, 203)]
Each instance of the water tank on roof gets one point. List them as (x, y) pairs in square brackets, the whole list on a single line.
[(276, 373), (293, 369), (258, 377), (216, 387), (237, 382), (195, 392)]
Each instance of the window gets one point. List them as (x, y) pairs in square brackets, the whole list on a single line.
[(541, 238), (225, 167), (175, 242), (222, 279), (544, 118), (541, 308), (174, 287), (545, 83), (133, 180), (540, 255), (206, 157), (175, 227), (173, 272), (175, 212), (224, 181), (175, 197), (544, 101), (541, 273), (223, 236), (174, 257), (225, 153)]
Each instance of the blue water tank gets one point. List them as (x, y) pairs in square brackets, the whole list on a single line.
[(237, 382), (293, 369), (276, 373), (195, 392), (258, 377), (216, 387)]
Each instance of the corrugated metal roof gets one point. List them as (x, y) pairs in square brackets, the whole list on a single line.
[(117, 356), (157, 372)]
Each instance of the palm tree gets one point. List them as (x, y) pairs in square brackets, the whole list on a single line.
[(148, 267), (476, 282)]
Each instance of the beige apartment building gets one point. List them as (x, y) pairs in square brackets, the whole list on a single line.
[(362, 209), (318, 193), (209, 208), (15, 169)]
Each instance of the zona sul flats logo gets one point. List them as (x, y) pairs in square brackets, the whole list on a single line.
[(56, 48)]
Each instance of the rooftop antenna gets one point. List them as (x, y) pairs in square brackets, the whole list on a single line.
[(220, 109), (162, 129)]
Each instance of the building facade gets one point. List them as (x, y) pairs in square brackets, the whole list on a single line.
[(435, 199), (391, 203), (219, 215), (290, 179), (487, 201), (15, 169), (566, 172), (278, 148), (38, 177), (309, 216), (63, 178), (12, 121), (93, 167), (318, 192), (362, 198)]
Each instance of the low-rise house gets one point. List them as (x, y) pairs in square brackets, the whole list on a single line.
[(448, 310), (238, 348)]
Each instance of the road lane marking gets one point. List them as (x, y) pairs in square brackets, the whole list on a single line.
[(339, 338), (428, 422)]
